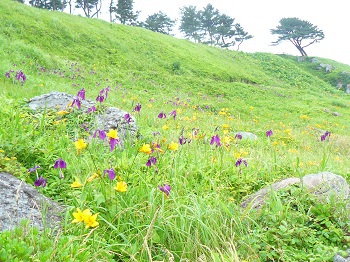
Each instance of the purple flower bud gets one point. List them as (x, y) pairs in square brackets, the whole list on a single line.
[(7, 74), (238, 136), (81, 94), (269, 133), (33, 169), (137, 107), (110, 172), (165, 188), (325, 135), (162, 115)]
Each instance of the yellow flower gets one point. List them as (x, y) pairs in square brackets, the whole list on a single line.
[(225, 126), (80, 216), (121, 186), (95, 175), (62, 112), (165, 127), (305, 117), (150, 105), (146, 148), (90, 221), (80, 144), (173, 146), (76, 184), (113, 133)]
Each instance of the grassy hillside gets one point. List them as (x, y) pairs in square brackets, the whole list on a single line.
[(214, 92)]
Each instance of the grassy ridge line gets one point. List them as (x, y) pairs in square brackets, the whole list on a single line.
[(125, 48)]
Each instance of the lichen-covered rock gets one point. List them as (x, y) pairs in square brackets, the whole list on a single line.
[(19, 200), (323, 185)]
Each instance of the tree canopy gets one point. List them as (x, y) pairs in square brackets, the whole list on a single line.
[(159, 22), (209, 26), (296, 30)]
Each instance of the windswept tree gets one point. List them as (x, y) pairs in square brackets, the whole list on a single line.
[(124, 12), (159, 22), (296, 30), (191, 23), (241, 35)]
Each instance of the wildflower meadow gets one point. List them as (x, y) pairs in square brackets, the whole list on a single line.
[(220, 128)]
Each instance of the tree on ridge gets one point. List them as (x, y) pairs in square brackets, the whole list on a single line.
[(296, 30)]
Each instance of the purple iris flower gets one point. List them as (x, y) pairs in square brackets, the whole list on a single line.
[(165, 188), (7, 74), (81, 94), (162, 115), (215, 140), (173, 113), (112, 143), (240, 161), (91, 109), (127, 118), (238, 136), (77, 102), (137, 107), (269, 133), (151, 161), (100, 98), (101, 134), (325, 135), (33, 169), (60, 163), (110, 172), (40, 182), (21, 76), (182, 140)]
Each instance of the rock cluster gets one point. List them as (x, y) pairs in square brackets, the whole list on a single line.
[(111, 118), (19, 200)]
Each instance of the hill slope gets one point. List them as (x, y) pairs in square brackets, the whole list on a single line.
[(215, 93)]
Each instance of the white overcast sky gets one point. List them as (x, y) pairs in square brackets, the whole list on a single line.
[(257, 17)]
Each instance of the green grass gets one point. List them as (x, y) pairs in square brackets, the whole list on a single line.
[(215, 92)]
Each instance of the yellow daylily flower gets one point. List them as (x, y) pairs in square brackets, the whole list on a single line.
[(173, 146), (146, 148), (80, 144), (90, 221), (121, 186), (76, 184), (113, 133), (80, 216)]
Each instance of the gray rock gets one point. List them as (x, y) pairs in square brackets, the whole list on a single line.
[(19, 200), (55, 100), (248, 135), (112, 118), (347, 89), (257, 200), (323, 185), (314, 60)]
